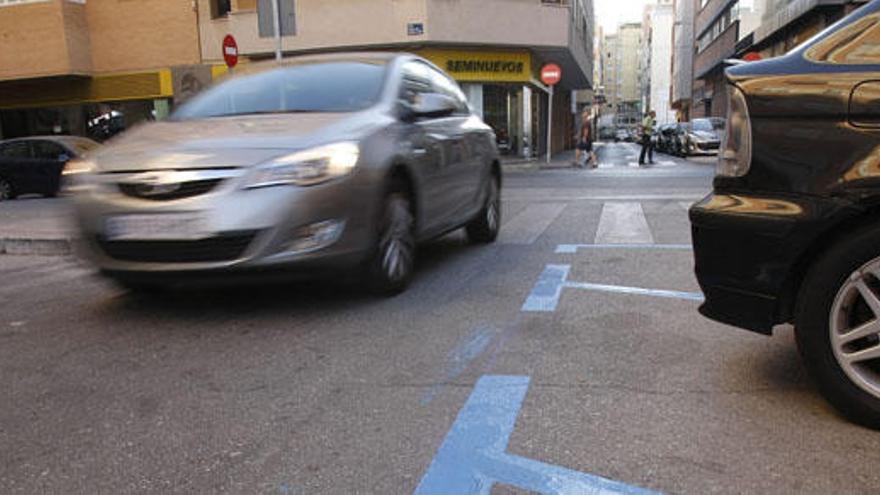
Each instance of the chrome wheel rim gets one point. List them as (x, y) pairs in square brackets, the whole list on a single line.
[(397, 253), (855, 327), (5, 190), (492, 207)]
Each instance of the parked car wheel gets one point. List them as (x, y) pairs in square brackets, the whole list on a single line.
[(484, 228), (6, 190), (838, 326), (391, 266)]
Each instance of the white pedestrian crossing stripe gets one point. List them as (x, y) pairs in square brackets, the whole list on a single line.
[(623, 223), (527, 226)]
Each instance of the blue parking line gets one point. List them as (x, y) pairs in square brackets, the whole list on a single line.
[(672, 294), (545, 295), (473, 455), (573, 248), (460, 357)]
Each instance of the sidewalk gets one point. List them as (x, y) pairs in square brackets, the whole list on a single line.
[(40, 226), (520, 164)]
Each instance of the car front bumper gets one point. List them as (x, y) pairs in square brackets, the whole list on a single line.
[(749, 252), (252, 231)]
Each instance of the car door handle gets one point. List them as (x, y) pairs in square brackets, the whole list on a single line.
[(419, 151)]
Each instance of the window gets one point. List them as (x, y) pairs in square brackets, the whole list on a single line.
[(5, 3), (15, 149), (857, 43), (312, 87), (445, 86), (416, 80), (47, 150), (220, 8)]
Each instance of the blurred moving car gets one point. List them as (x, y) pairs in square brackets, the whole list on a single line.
[(33, 165), (700, 136), (334, 162), (791, 232)]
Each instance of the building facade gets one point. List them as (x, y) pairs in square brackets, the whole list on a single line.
[(719, 28), (786, 24), (656, 70), (628, 74), (83, 67), (493, 48), (683, 44)]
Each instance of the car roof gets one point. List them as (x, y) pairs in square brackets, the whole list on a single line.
[(366, 56)]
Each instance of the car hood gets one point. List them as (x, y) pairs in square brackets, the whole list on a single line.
[(226, 141)]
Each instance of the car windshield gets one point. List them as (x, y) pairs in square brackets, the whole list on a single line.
[(701, 125), (346, 86)]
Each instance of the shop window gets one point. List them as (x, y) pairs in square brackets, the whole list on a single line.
[(220, 8)]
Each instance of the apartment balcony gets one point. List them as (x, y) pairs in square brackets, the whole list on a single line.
[(44, 38), (546, 28)]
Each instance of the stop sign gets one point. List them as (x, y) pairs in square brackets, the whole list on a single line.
[(230, 51), (551, 74)]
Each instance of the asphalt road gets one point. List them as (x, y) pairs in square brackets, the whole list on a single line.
[(318, 388)]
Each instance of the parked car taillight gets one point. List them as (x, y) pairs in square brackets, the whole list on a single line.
[(735, 157)]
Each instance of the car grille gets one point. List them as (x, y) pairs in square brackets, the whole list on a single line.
[(224, 247), (175, 191)]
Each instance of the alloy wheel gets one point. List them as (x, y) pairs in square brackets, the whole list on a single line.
[(396, 242), (855, 327), (5, 190), (493, 206)]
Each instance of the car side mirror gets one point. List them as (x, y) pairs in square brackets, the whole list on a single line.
[(429, 105)]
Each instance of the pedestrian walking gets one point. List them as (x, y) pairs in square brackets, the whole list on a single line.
[(584, 144), (647, 131)]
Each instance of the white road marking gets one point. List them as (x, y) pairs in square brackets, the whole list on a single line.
[(623, 223), (529, 224)]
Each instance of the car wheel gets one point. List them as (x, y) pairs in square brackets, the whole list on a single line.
[(837, 326), (484, 228), (392, 264), (6, 190)]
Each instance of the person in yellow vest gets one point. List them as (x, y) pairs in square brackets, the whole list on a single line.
[(648, 131)]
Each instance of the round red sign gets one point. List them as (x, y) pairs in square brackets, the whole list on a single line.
[(230, 51), (551, 74)]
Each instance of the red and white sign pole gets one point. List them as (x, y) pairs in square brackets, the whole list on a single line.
[(230, 51), (551, 74)]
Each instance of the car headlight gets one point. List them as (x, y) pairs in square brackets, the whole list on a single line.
[(307, 167), (78, 175), (735, 157)]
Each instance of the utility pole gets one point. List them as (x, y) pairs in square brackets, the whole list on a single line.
[(276, 18)]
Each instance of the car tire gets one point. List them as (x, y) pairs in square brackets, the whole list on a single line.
[(7, 192), (392, 264), (483, 229), (833, 301)]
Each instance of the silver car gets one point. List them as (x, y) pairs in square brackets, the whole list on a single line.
[(340, 161)]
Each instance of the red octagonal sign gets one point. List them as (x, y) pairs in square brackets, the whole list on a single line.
[(551, 74), (230, 51)]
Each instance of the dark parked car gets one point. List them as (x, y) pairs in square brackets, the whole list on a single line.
[(33, 165), (324, 163), (668, 138), (791, 233)]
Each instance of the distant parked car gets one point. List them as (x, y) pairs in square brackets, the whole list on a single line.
[(701, 136), (665, 136), (33, 165), (621, 135), (790, 233)]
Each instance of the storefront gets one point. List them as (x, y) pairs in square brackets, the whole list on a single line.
[(503, 89), (96, 106)]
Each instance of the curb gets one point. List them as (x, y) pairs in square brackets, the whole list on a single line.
[(40, 247)]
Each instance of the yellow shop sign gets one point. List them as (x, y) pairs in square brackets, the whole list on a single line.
[(474, 66)]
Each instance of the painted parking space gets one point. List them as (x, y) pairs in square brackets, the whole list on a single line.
[(473, 457)]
